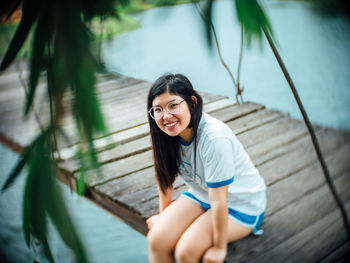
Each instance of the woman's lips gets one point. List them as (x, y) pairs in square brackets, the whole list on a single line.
[(170, 124)]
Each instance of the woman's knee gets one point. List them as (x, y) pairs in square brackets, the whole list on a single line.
[(185, 253), (157, 240)]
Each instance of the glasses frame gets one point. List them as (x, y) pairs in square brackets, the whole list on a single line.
[(166, 108)]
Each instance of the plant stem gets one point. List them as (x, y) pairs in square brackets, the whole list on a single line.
[(218, 49), (239, 89), (312, 134)]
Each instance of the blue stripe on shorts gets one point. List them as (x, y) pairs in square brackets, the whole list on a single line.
[(241, 218)]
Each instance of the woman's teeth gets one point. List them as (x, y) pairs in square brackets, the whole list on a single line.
[(170, 124)]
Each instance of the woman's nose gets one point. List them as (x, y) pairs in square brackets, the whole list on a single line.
[(167, 114)]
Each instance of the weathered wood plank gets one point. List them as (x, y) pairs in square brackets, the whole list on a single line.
[(125, 166), (340, 255), (304, 247), (118, 152), (301, 183), (254, 120), (289, 221), (298, 158), (235, 111)]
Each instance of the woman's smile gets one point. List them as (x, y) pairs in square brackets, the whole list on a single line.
[(170, 124), (174, 124)]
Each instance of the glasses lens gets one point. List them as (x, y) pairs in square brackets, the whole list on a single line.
[(174, 107), (156, 112)]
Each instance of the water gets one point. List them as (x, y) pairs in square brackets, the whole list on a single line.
[(106, 239), (315, 51)]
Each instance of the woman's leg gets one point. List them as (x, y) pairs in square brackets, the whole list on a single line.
[(173, 222), (199, 237)]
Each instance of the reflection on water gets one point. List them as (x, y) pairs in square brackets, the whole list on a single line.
[(315, 51), (106, 239)]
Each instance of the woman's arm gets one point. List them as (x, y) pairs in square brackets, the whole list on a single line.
[(165, 198), (218, 203)]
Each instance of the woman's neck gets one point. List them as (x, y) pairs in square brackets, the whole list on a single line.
[(187, 134)]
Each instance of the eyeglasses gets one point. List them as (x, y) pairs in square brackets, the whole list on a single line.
[(173, 107)]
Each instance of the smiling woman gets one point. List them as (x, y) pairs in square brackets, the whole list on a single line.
[(226, 198)]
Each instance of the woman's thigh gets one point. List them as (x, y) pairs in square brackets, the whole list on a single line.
[(173, 222), (199, 236)]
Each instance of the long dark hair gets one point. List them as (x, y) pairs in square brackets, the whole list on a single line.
[(166, 149)]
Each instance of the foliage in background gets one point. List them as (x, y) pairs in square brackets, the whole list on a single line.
[(60, 48)]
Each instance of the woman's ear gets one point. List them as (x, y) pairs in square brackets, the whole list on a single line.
[(194, 99)]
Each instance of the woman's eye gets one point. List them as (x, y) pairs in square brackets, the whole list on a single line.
[(173, 105), (157, 110)]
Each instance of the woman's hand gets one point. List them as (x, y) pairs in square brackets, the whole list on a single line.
[(215, 255), (152, 221)]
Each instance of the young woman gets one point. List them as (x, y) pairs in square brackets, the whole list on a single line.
[(226, 197)]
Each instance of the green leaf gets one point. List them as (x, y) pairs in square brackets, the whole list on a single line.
[(42, 37), (29, 15), (208, 14), (81, 188), (253, 18), (27, 208), (59, 215), (16, 170)]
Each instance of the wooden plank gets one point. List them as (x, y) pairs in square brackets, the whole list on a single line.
[(126, 185), (266, 150), (118, 152), (298, 158), (289, 221), (294, 187), (212, 106), (10, 81), (304, 247), (265, 132), (254, 120), (120, 168), (150, 205), (339, 255), (142, 199), (235, 111)]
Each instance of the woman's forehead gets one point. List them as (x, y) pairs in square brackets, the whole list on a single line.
[(164, 98)]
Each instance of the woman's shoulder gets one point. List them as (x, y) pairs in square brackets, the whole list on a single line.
[(212, 128)]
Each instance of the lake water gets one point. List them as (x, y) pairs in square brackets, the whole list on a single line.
[(106, 239), (315, 51)]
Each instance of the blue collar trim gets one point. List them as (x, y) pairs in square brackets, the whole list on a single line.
[(184, 143)]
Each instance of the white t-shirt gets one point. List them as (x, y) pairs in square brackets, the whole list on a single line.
[(222, 160)]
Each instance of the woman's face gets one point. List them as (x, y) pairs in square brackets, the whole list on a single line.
[(174, 124)]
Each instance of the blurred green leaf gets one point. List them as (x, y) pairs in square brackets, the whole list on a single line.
[(16, 170), (61, 46), (253, 19), (42, 37), (58, 213), (208, 14)]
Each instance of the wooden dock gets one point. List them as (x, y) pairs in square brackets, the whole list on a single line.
[(302, 223)]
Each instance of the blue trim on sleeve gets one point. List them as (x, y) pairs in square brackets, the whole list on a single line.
[(219, 184)]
